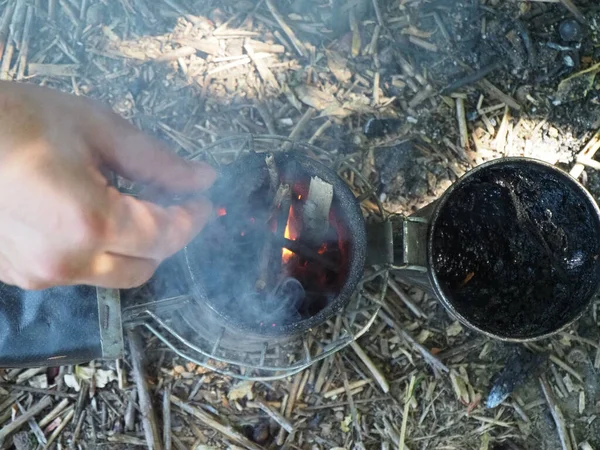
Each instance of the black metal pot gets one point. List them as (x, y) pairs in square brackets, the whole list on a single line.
[(511, 250)]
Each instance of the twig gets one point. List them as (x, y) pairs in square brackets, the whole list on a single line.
[(421, 96), (28, 374), (18, 21), (591, 163), (416, 310), (59, 429), (425, 45), (268, 263), (407, 399), (289, 408), (149, 422), (130, 411), (300, 126), (19, 388), (379, 377), (339, 404), (121, 375), (181, 52), (267, 117), (166, 412), (435, 363), (5, 26), (264, 72), (126, 439), (54, 413), (307, 374), (557, 414), (7, 58), (275, 415), (286, 29), (320, 131), (52, 70), (273, 174), (78, 428), (472, 77), (68, 10), (351, 404), (24, 50), (378, 13), (83, 10), (372, 49), (240, 62), (51, 9), (35, 428), (462, 123), (81, 398), (376, 80), (502, 135), (573, 9), (495, 92), (211, 421), (440, 24), (10, 401), (566, 367), (587, 153), (324, 369), (21, 420), (353, 386)]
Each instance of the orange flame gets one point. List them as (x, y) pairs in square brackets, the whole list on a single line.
[(289, 233), (221, 212)]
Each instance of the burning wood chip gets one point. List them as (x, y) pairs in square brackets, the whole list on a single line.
[(315, 213)]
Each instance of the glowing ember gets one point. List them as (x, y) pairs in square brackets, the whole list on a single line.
[(221, 212), (322, 249)]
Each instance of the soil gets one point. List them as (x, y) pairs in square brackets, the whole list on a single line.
[(516, 250)]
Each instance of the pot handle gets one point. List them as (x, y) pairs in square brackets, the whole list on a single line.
[(399, 242)]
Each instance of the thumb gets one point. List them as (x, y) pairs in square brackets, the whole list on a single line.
[(140, 158)]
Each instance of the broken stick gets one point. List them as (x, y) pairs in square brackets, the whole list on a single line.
[(377, 374), (24, 418), (151, 431), (557, 415), (307, 253), (300, 48), (275, 415), (588, 152), (281, 207), (212, 422)]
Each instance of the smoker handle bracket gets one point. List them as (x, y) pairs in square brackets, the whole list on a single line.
[(110, 322), (399, 242)]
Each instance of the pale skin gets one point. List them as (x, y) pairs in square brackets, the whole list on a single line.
[(61, 222)]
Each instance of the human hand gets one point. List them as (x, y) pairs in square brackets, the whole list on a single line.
[(61, 222)]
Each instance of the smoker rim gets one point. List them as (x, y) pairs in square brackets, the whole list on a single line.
[(439, 292)]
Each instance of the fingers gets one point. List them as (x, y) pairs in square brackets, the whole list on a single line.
[(140, 158), (145, 230), (114, 271)]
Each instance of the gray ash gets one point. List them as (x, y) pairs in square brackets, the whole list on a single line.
[(516, 250)]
